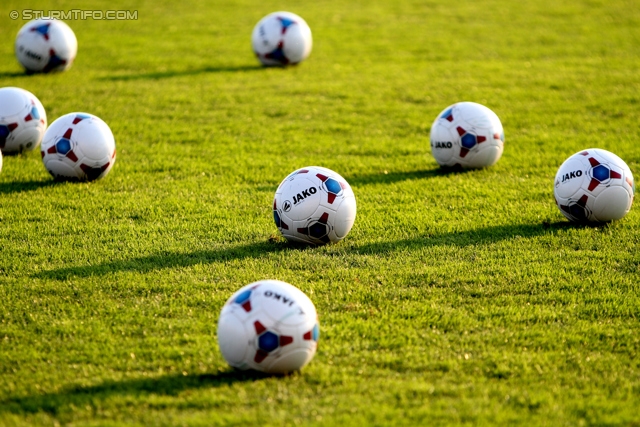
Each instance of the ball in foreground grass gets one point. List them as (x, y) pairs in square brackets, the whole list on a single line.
[(314, 205), (22, 120), (269, 326), (594, 185), (45, 45), (467, 134), (281, 38), (78, 147)]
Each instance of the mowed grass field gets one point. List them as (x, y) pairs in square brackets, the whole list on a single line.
[(458, 298)]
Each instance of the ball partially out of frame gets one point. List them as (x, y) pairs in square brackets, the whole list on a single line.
[(22, 120)]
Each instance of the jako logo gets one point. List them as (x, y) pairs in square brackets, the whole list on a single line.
[(439, 144), (30, 54), (574, 174), (285, 300), (286, 206), (306, 193)]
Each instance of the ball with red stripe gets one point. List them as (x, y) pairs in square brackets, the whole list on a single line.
[(467, 134), (78, 147), (22, 120), (269, 326), (594, 185), (46, 45), (314, 205)]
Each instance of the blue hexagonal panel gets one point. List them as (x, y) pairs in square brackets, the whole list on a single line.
[(63, 146), (4, 133), (243, 297), (333, 186), (35, 113), (315, 333), (578, 211), (318, 230), (54, 62), (268, 341), (278, 55), (447, 114), (286, 23), (601, 173), (42, 29), (468, 140)]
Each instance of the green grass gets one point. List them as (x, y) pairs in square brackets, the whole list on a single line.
[(458, 298)]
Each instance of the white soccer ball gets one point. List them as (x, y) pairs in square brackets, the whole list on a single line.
[(281, 38), (78, 147), (22, 120), (45, 45), (594, 185), (270, 326), (314, 205), (467, 134)]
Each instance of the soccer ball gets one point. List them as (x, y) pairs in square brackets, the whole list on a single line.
[(22, 120), (281, 38), (594, 185), (269, 326), (314, 205), (78, 147), (45, 45), (467, 134)]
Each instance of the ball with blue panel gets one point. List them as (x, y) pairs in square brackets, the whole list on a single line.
[(78, 147), (594, 185), (46, 45), (314, 205), (278, 333), (467, 135), (23, 120), (281, 39)]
